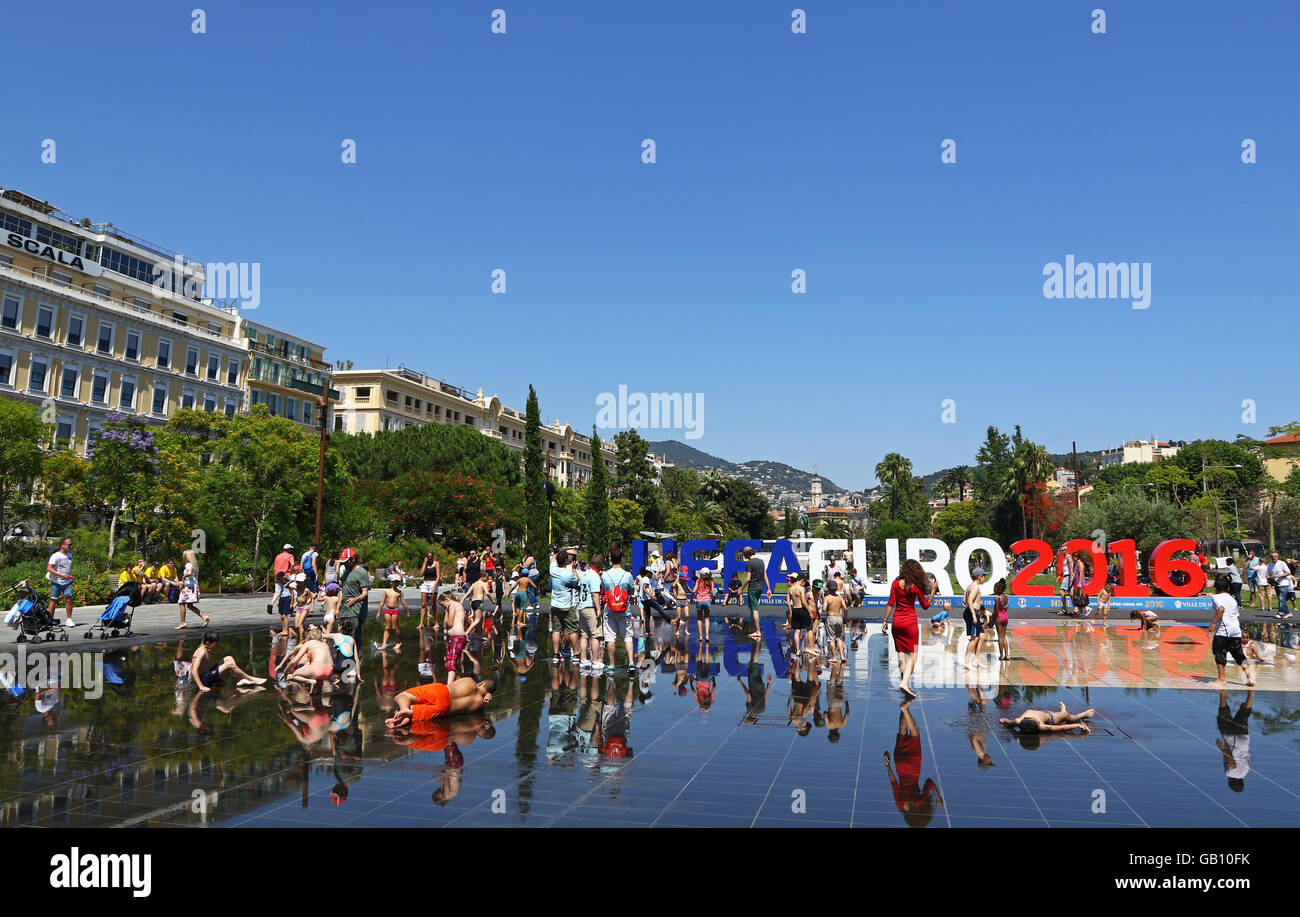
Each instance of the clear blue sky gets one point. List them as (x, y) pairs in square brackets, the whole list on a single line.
[(775, 152)]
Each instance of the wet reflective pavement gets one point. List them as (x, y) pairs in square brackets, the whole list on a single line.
[(696, 740)]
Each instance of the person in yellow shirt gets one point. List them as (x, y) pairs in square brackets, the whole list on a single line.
[(128, 576), (171, 583)]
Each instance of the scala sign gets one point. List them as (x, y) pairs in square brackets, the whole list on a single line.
[(944, 561), (49, 252)]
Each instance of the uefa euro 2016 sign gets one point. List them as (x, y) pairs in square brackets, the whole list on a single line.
[(783, 560)]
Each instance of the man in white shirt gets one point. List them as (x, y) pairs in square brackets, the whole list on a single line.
[(1263, 588), (1279, 574), (58, 570)]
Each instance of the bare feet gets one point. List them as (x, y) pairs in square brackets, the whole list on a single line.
[(181, 626), (906, 690), (206, 620), (249, 682)]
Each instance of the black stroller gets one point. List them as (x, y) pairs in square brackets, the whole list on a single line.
[(34, 618), (117, 616)]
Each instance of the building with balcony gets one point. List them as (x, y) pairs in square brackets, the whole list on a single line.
[(286, 373), (378, 400), (1152, 450), (92, 320)]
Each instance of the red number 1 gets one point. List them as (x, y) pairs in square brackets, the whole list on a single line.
[(1128, 575)]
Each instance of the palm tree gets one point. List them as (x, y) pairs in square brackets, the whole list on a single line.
[(838, 528), (1030, 464), (713, 488), (894, 471), (961, 476)]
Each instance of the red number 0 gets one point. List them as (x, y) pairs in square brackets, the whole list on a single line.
[(1162, 564), (1020, 585)]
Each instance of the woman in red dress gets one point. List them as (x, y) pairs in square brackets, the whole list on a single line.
[(912, 800), (910, 587)]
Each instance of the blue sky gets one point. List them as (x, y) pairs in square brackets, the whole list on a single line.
[(775, 151)]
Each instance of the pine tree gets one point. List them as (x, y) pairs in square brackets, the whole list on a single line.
[(597, 500), (535, 500)]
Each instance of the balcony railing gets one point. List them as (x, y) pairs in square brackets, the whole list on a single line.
[(311, 388), (64, 289)]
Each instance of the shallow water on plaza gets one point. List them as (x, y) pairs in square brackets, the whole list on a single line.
[(693, 739)]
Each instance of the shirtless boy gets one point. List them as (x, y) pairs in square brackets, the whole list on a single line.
[(394, 605), (1032, 721), (454, 612), (436, 700), (833, 607), (207, 673)]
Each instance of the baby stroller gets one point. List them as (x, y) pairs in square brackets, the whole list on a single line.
[(117, 616), (30, 615)]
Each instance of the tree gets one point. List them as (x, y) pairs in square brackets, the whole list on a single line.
[(788, 523), (992, 479), (428, 447), (265, 467), (596, 500), (22, 435), (745, 508), (122, 457), (957, 522), (425, 504), (536, 502), (895, 472), (626, 519), (890, 528), (1030, 465), (63, 478)]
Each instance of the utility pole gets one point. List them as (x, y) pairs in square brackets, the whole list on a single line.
[(322, 420), (1074, 449)]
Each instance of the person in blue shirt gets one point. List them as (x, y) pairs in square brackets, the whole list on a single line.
[(564, 603), (616, 619)]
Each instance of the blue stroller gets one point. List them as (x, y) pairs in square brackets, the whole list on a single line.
[(117, 616), (35, 621)]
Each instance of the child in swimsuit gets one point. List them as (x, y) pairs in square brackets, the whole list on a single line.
[(394, 604), (703, 598), (1032, 721), (333, 599), (303, 602), (1103, 601)]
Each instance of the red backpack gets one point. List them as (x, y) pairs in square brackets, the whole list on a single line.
[(616, 599)]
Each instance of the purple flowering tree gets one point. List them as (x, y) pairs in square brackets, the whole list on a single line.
[(122, 457)]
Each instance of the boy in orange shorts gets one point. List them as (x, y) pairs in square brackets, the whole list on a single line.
[(436, 700)]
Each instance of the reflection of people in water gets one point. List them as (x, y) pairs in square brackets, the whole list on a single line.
[(1234, 740), (703, 682), (802, 694), (1034, 722), (912, 800), (202, 704), (755, 691), (303, 714), (837, 705), (446, 735)]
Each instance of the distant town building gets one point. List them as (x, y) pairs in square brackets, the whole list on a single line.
[(1280, 467), (1152, 450)]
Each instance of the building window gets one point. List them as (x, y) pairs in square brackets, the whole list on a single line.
[(209, 403), (408, 401), (68, 387), (469, 420), (191, 361), (36, 378), (164, 354), (180, 319), (6, 369), (291, 408), (273, 402), (214, 366), (63, 280), (187, 400), (232, 373), (363, 393), (99, 388), (391, 396), (44, 322), (104, 344), (132, 345), (9, 316), (76, 326), (63, 434), (160, 399), (230, 408), (126, 399)]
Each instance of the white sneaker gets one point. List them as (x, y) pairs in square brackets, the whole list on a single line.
[(69, 623), (598, 666), (585, 664)]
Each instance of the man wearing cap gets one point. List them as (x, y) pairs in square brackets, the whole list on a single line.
[(356, 592), (973, 615), (283, 561), (756, 585)]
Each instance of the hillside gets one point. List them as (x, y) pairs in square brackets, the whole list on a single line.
[(764, 474)]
